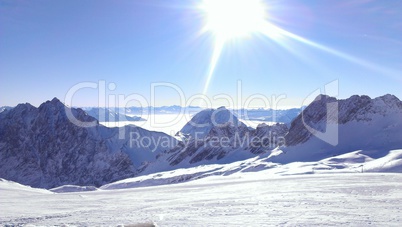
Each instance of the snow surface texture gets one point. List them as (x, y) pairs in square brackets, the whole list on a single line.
[(247, 199), (353, 162)]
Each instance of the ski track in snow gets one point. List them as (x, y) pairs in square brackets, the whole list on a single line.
[(251, 199)]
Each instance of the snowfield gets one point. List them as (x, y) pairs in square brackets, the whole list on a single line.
[(252, 199)]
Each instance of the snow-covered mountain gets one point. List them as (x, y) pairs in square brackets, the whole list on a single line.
[(330, 127), (326, 128), (217, 136), (203, 122), (41, 147)]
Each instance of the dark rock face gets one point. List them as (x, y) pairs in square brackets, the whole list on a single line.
[(182, 151), (40, 147), (268, 137)]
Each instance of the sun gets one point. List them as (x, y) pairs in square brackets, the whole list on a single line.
[(229, 19)]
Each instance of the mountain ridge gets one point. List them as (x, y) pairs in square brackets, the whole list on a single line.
[(41, 147)]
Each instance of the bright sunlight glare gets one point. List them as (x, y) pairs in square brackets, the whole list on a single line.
[(234, 18), (228, 19)]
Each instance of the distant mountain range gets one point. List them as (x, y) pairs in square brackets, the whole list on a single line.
[(133, 113), (4, 108), (107, 115), (41, 147)]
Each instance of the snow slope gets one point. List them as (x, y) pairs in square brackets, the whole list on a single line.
[(246, 199), (352, 162)]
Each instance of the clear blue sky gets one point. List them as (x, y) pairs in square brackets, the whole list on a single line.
[(48, 46)]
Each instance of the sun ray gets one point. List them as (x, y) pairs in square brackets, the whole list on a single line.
[(233, 19), (269, 30), (219, 43)]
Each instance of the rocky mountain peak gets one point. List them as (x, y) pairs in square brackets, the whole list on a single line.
[(388, 100), (48, 150), (202, 123), (325, 109), (55, 110), (324, 98)]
